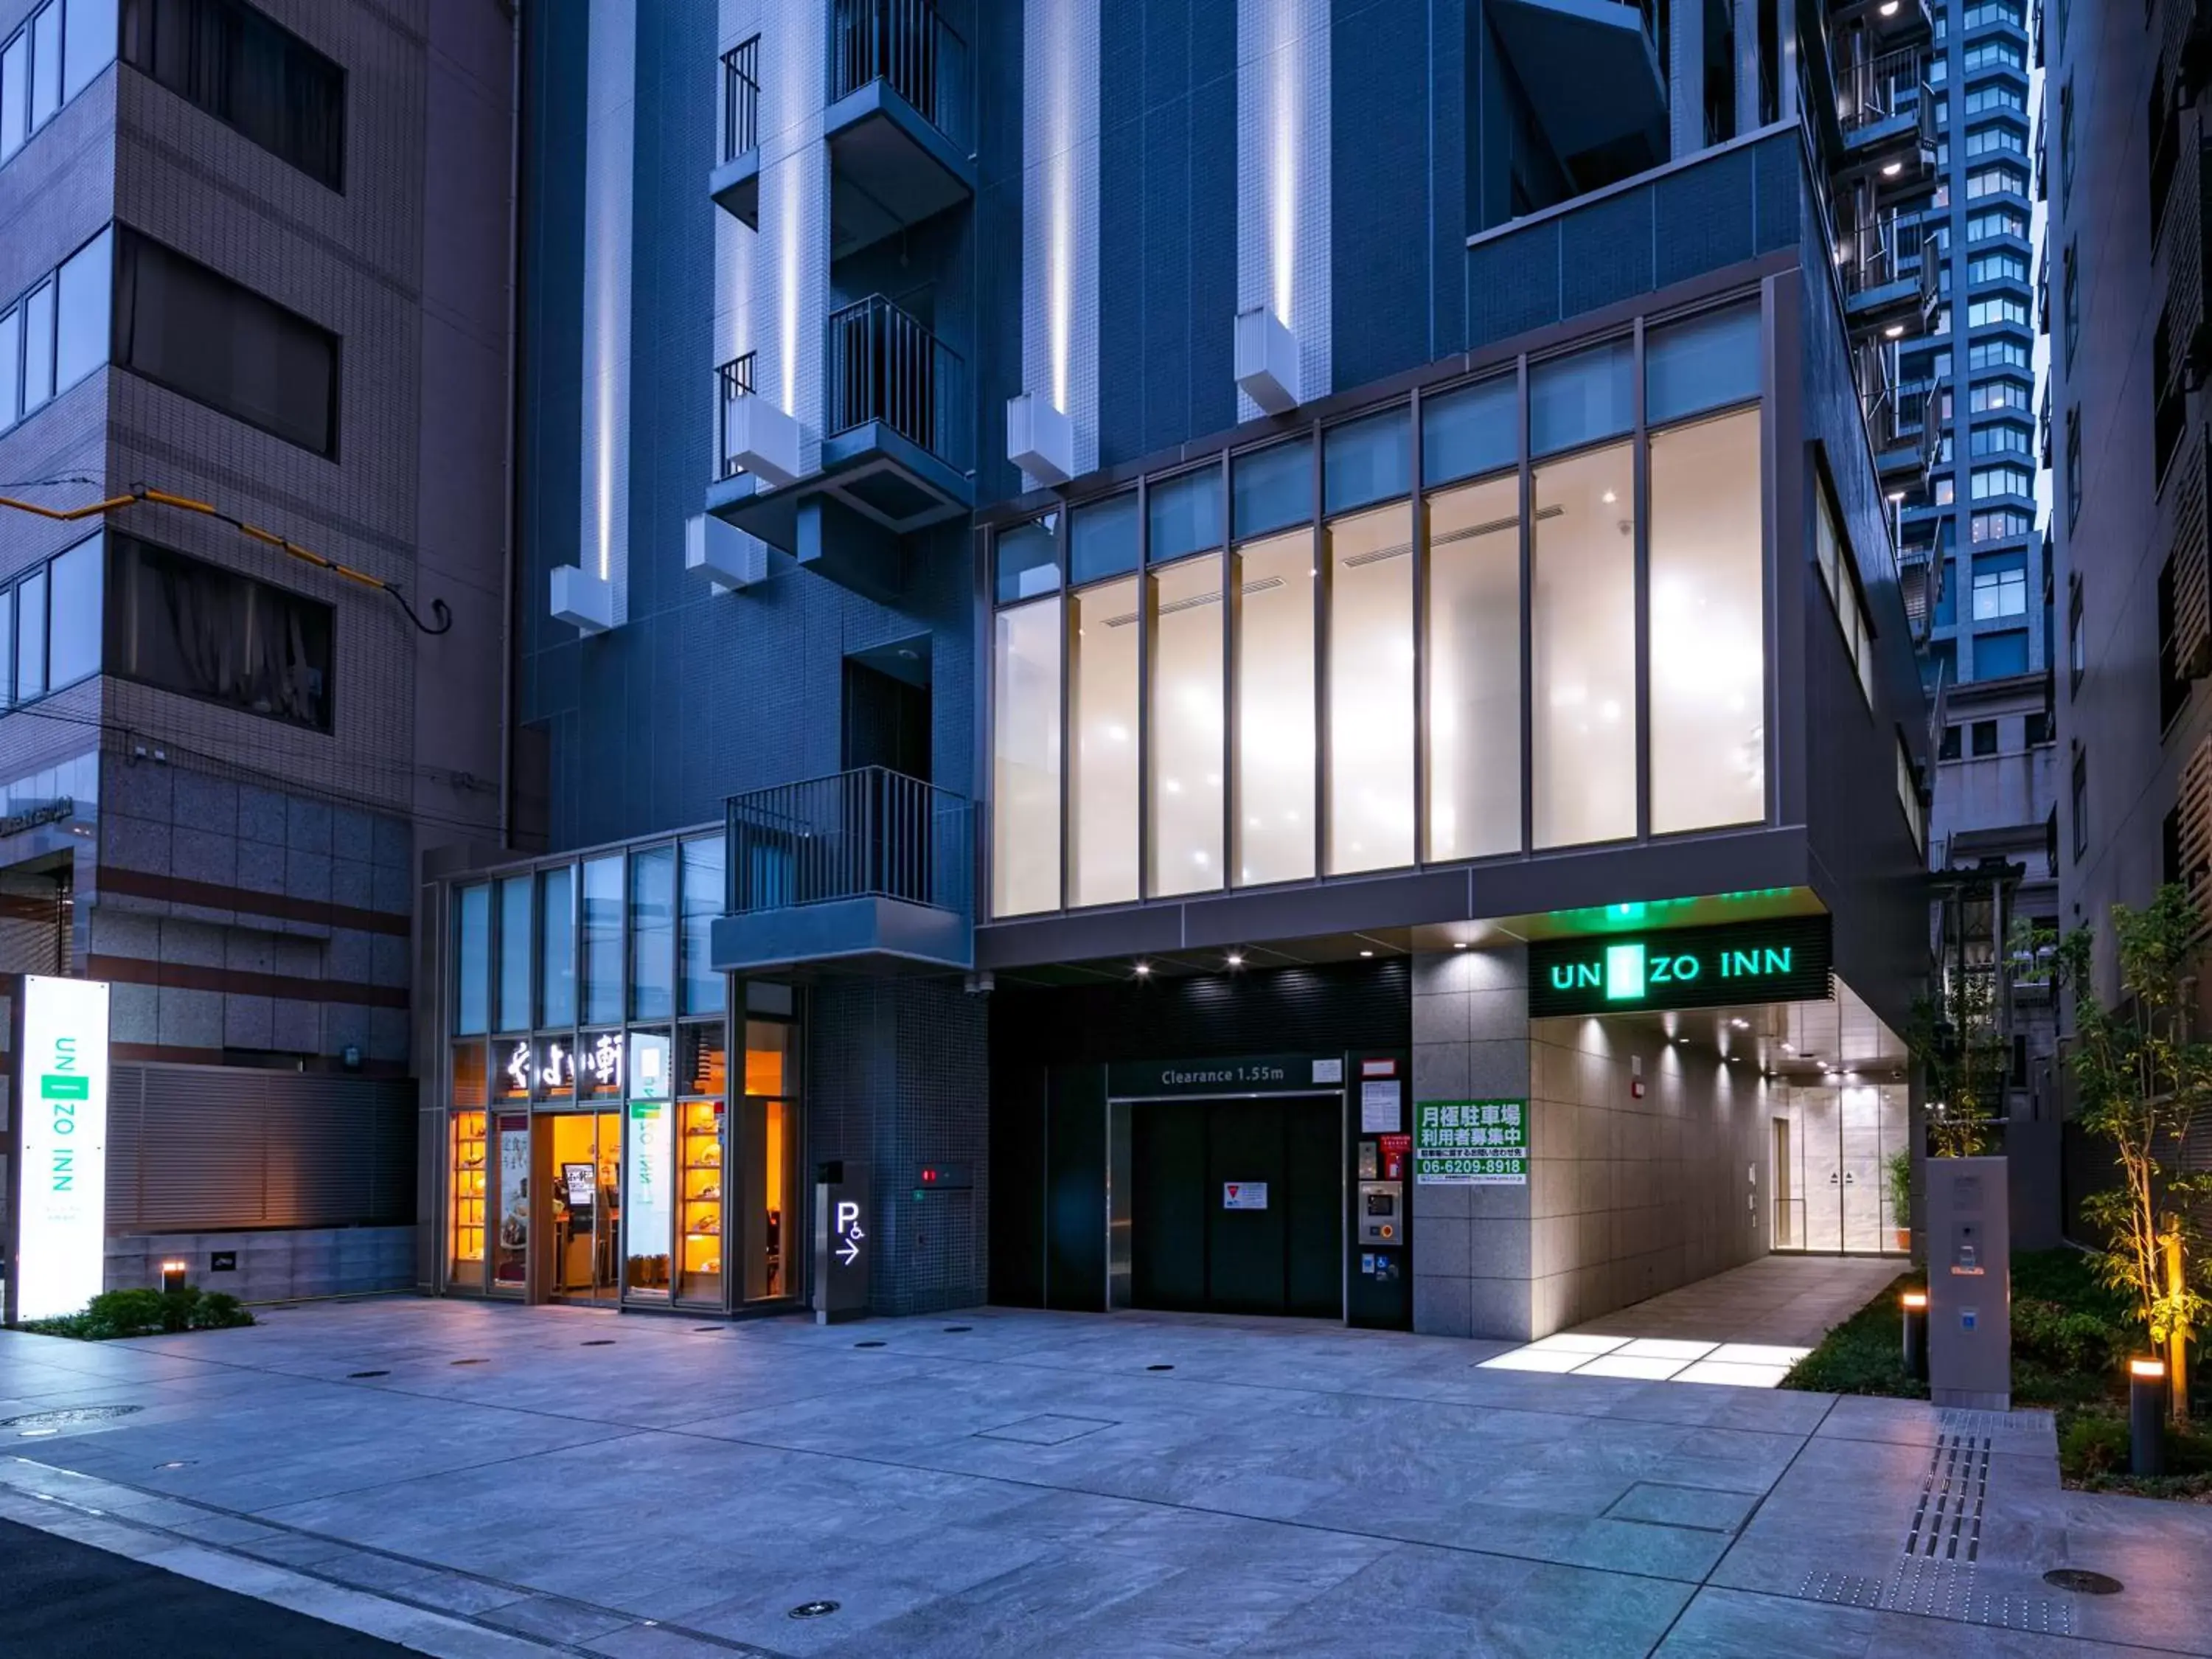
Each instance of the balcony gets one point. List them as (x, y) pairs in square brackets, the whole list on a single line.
[(1890, 23), (895, 453), (1886, 110), (864, 872), (1892, 276), (1906, 425), (901, 120), (733, 380), (1594, 79), (735, 182)]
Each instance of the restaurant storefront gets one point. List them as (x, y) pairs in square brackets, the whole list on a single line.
[(620, 1125)]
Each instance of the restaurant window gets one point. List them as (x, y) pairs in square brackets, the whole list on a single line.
[(1583, 641), (767, 1153), (1701, 363), (472, 959), (1270, 487), (1366, 460), (1103, 539), (1473, 662), (181, 625), (702, 1083), (469, 1195), (515, 956), (1581, 398), (1028, 561), (1103, 726), (702, 897), (1708, 626), (1277, 757), (556, 960), (257, 78), (602, 941), (1371, 690), (1025, 759), (1185, 513), (652, 933), (1470, 430), (1186, 726)]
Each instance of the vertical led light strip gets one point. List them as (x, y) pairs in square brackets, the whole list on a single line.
[(62, 1180), (1282, 177), (609, 146), (790, 254), (1060, 214)]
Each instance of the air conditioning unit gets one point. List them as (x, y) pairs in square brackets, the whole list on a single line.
[(1266, 360), (725, 555), (1040, 439), (763, 439), (583, 601)]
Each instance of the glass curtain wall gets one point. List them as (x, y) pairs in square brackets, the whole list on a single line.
[(1429, 652)]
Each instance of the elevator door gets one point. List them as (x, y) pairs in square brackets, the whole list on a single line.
[(1274, 1244)]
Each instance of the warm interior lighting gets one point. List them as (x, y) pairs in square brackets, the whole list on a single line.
[(2150, 1371), (1916, 1299)]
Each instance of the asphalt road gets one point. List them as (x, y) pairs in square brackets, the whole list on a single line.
[(63, 1599)]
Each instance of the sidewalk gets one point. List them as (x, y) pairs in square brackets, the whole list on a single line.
[(490, 1480)]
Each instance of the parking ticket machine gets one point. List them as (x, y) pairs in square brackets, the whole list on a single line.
[(1378, 1276)]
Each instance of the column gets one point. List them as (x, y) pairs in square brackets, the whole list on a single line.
[(1686, 79)]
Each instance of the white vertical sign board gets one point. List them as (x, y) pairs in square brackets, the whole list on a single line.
[(61, 1179)]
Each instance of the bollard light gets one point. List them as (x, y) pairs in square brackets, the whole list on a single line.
[(1915, 1303), (173, 1275), (2146, 1417)]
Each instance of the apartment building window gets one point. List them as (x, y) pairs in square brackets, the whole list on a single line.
[(2066, 144), (208, 338), (2080, 802), (2035, 729), (2168, 399), (2072, 468), (181, 625), (2164, 115), (2173, 685), (1985, 738), (1998, 308), (1996, 139), (1951, 748), (1991, 11), (2003, 438), (50, 625), (1997, 354), (1839, 575), (1995, 221), (257, 78), (2000, 525), (1995, 54), (2077, 645), (1908, 796), (1946, 492), (57, 333), (1986, 395), (1947, 600), (2005, 267), (62, 45), (1999, 586), (2001, 655), (1987, 481), (2069, 307), (1996, 94)]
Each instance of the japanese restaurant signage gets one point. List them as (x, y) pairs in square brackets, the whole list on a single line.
[(1784, 960)]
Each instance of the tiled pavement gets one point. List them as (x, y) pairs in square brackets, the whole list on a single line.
[(473, 1480)]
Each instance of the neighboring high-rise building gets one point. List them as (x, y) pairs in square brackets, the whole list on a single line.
[(2130, 352), (254, 256), (1205, 655)]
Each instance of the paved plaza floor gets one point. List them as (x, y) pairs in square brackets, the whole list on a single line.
[(475, 1480)]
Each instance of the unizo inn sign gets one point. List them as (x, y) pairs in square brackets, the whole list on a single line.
[(1786, 960), (61, 1183)]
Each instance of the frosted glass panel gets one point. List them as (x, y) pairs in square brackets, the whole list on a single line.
[(1186, 726), (1025, 761), (1708, 627), (1102, 780), (1583, 645), (1275, 710), (1474, 669), (1371, 690)]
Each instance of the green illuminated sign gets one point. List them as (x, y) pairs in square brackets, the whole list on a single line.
[(1786, 960)]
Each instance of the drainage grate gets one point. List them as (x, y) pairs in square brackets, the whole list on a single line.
[(1946, 1524), (355, 1376), (2082, 1581), (62, 1417)]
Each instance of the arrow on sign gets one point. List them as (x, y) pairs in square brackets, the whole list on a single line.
[(850, 1253)]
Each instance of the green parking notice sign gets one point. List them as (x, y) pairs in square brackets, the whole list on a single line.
[(1471, 1143)]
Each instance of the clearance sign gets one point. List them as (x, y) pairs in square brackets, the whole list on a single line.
[(61, 1192), (1786, 960)]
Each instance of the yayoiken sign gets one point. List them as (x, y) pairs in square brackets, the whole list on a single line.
[(61, 1185), (1784, 960)]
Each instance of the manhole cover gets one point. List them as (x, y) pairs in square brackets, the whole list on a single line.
[(601, 1342), (355, 1376), (63, 1417), (471, 1362), (2082, 1581), (955, 1330), (1159, 1368), (814, 1609), (871, 1343)]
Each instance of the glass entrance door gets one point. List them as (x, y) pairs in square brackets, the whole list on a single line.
[(1831, 1144), (580, 1170)]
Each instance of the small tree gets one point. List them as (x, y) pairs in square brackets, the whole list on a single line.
[(2143, 1075), (1955, 1034)]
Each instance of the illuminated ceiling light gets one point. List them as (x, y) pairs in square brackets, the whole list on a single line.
[(1888, 8), (1892, 169), (1609, 497), (1235, 959), (1143, 969), (1459, 944), (1741, 1024), (1894, 331)]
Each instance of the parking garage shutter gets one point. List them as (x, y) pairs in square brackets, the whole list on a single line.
[(216, 1148)]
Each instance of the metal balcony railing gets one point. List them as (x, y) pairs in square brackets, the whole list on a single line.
[(885, 366), (908, 46), (741, 98), (1883, 88), (869, 833), (733, 380)]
